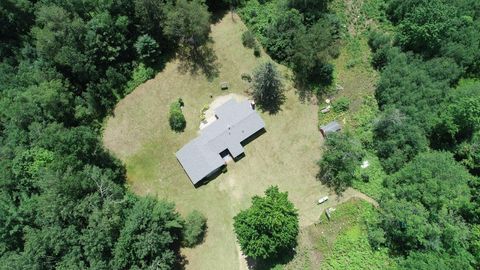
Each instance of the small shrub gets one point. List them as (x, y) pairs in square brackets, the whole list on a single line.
[(248, 39), (365, 177), (341, 105), (246, 77), (140, 75), (378, 40), (256, 50), (194, 229), (176, 119), (380, 58)]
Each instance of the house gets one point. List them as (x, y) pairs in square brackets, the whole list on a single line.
[(235, 123), (333, 126)]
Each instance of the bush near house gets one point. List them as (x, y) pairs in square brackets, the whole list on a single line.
[(176, 119)]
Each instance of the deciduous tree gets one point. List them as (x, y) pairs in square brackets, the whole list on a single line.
[(341, 158), (269, 227)]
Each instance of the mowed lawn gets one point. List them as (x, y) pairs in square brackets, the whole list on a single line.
[(138, 133)]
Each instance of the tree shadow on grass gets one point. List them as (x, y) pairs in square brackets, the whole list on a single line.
[(259, 264), (273, 106), (201, 59)]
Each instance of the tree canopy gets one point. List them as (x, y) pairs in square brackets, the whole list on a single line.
[(423, 205), (269, 228), (342, 157), (268, 87), (63, 201)]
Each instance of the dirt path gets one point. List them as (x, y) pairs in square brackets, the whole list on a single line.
[(360, 195)]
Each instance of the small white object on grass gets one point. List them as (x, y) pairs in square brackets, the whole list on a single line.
[(322, 200), (365, 164), (326, 109)]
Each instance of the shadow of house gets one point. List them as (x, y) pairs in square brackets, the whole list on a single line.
[(237, 124)]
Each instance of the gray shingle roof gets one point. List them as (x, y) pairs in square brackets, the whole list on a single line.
[(236, 121), (333, 126)]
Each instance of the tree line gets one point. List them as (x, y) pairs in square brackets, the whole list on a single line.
[(299, 34), (426, 136), (64, 65)]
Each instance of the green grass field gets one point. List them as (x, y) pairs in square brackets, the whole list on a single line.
[(341, 243)]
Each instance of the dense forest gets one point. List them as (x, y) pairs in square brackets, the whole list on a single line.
[(426, 135), (64, 65)]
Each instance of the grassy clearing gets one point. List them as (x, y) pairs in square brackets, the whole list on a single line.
[(285, 155), (354, 76), (341, 243)]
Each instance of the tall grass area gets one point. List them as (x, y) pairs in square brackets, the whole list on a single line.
[(344, 239)]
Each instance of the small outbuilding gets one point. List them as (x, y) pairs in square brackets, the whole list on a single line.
[(331, 127)]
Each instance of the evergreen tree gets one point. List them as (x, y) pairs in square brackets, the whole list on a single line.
[(268, 87)]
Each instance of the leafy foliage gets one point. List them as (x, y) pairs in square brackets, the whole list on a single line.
[(300, 35), (147, 49), (397, 141), (269, 227), (341, 104), (188, 22), (63, 201), (344, 243), (423, 204), (194, 229), (176, 119), (140, 75), (281, 34), (149, 237), (341, 158), (248, 39)]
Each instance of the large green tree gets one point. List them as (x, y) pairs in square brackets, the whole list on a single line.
[(268, 87), (269, 228), (340, 160), (397, 140), (149, 238), (188, 23), (426, 27)]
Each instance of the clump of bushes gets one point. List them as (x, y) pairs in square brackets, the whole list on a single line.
[(248, 39), (176, 119), (378, 40), (256, 50), (341, 105), (194, 229), (140, 74)]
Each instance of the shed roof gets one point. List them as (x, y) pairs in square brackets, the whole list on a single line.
[(236, 122), (333, 126)]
